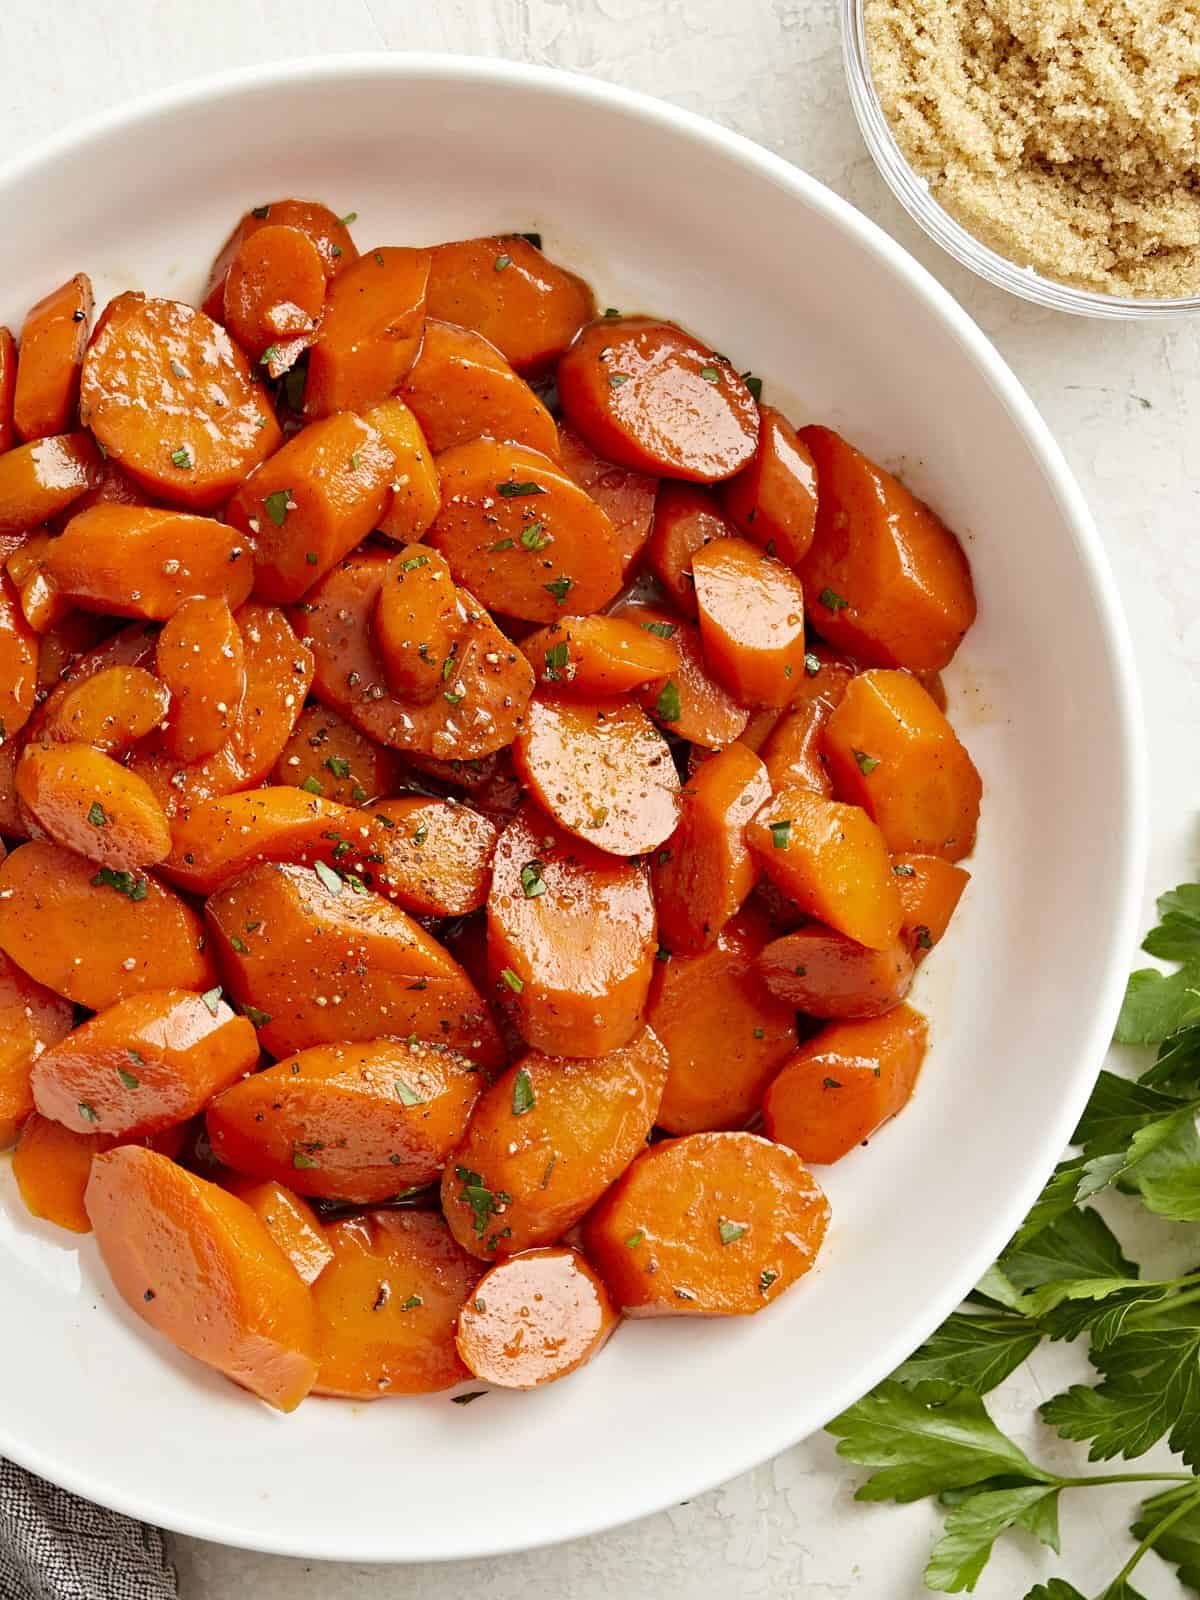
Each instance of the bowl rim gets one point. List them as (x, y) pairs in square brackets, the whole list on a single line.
[(915, 195), (773, 1433)]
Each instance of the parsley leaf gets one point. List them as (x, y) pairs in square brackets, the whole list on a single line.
[(972, 1351), (1156, 1006), (523, 1097), (961, 1554), (668, 706), (276, 506), (1180, 1543), (1177, 936), (123, 882)]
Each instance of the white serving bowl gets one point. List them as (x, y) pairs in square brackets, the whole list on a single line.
[(666, 213)]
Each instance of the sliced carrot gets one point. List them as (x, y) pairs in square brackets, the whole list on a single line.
[(53, 340), (39, 480), (12, 823), (8, 388), (137, 561), (773, 500), (274, 294), (534, 1318), (577, 957), (131, 646), (313, 501), (111, 485), (387, 1306), (840, 1086), (885, 579), (317, 222), (347, 1121), (147, 1062), (325, 755), (602, 771), (591, 657), (545, 1140), (290, 1221), (438, 856), (51, 1166), (371, 331), (202, 663), (506, 289), (832, 860), (824, 974), (891, 751), (62, 646), (18, 662), (626, 497), (522, 535), (793, 752), (287, 943), (416, 493), (461, 387), (706, 870), (930, 888), (417, 624), (686, 518), (96, 936), (151, 360), (481, 704), (751, 621), (88, 802), (714, 1224), (224, 835), (110, 711), (32, 1019), (689, 703), (647, 395), (199, 1267)]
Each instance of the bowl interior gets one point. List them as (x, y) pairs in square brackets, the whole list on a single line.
[(664, 214)]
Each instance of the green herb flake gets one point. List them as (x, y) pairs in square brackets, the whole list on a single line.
[(96, 815), (261, 212), (123, 882), (212, 1000), (328, 878), (501, 544), (358, 794), (754, 385), (516, 491), (408, 1095), (351, 216), (866, 764), (559, 588), (240, 945), (661, 630), (301, 1159), (510, 978), (181, 458), (616, 379), (556, 657), (414, 563), (483, 1202), (276, 506), (129, 1079), (535, 537), (904, 869), (668, 706), (312, 786), (922, 935), (338, 765), (465, 1399), (420, 833), (710, 374), (501, 262), (781, 833), (730, 1232), (832, 601), (634, 1239), (523, 1097), (413, 1303), (255, 1017), (453, 696), (812, 664), (88, 1112), (532, 882), (765, 1279), (610, 312)]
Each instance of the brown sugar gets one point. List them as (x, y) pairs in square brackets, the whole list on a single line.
[(1065, 134)]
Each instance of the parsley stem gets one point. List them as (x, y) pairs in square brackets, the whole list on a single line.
[(1089, 1479), (1169, 1302), (1186, 1504)]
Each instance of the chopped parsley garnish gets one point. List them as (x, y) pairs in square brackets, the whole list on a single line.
[(465, 1399), (754, 385), (781, 833), (181, 458), (301, 1159), (312, 786), (408, 1095), (866, 764), (832, 601), (96, 815), (255, 1017), (88, 1112), (501, 544), (351, 216), (412, 1303), (535, 537), (523, 1097), (413, 563), (338, 765), (483, 1203), (765, 1279), (514, 491), (812, 664), (731, 1232), (212, 1000), (904, 869), (276, 506), (532, 882), (123, 882), (128, 1078), (328, 878), (668, 706), (662, 630), (240, 945), (710, 374), (556, 659), (501, 262), (559, 588), (453, 696), (634, 1240), (261, 212), (510, 978), (923, 937)]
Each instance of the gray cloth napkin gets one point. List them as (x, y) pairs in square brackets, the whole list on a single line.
[(55, 1546)]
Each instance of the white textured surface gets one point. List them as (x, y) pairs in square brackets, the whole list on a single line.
[(1125, 404)]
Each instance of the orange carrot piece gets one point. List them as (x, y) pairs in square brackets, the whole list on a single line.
[(824, 974), (89, 803), (53, 340), (461, 387), (290, 1221), (8, 388), (930, 888), (438, 855), (689, 703), (535, 1318), (39, 480), (32, 1019), (626, 497), (371, 331), (51, 1165), (418, 621), (326, 755), (318, 223), (503, 287), (110, 711), (416, 492), (686, 518), (592, 657), (273, 297), (751, 621), (18, 662), (201, 661), (773, 501), (793, 751)]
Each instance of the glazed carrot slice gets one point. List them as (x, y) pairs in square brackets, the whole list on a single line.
[(714, 1224), (832, 861), (417, 624), (416, 494), (8, 388), (724, 1034), (32, 1019), (290, 1221), (146, 1063), (794, 750), (885, 579), (51, 1165), (504, 288), (326, 756), (313, 501), (138, 561), (891, 751), (592, 657), (751, 621), (279, 670), (534, 1318), (575, 959), (62, 646), (461, 387), (370, 333), (202, 663), (545, 1141), (706, 870), (824, 974), (602, 771), (111, 485), (840, 1086), (151, 360), (199, 1267), (686, 518), (12, 824), (522, 535), (438, 856), (626, 497), (96, 936), (930, 888), (287, 940), (39, 480), (53, 340), (222, 836), (88, 802), (318, 223), (110, 711), (131, 646), (347, 1121), (689, 703), (482, 701), (387, 1306), (773, 500), (274, 294), (647, 395), (18, 662)]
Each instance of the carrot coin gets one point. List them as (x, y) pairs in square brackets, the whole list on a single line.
[(626, 497), (274, 294), (328, 232), (461, 387), (592, 657), (202, 663), (370, 333), (751, 621), (40, 479), (110, 711), (686, 518), (824, 974), (689, 702), (506, 289), (534, 1318), (32, 1018), (90, 803), (773, 500), (417, 624), (52, 345), (8, 388)]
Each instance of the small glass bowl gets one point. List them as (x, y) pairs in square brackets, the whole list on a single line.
[(915, 196)]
